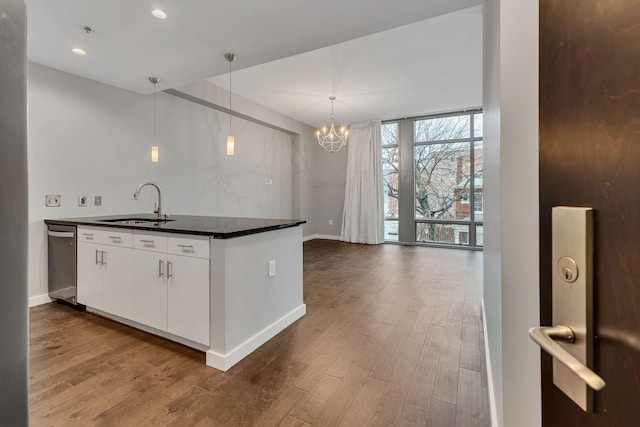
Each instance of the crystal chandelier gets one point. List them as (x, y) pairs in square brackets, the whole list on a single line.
[(330, 139)]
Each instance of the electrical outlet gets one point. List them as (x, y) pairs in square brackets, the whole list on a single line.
[(82, 201), (268, 181), (97, 201), (52, 201), (272, 268)]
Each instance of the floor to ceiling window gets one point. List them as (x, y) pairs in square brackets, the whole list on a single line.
[(433, 179), (390, 173)]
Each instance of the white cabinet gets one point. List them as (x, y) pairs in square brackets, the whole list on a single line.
[(105, 261), (188, 297), (117, 292), (89, 274), (156, 279), (150, 284), (171, 283)]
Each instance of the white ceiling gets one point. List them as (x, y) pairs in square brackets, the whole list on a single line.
[(292, 54), (434, 65)]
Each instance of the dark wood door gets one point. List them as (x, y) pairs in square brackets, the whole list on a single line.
[(590, 156)]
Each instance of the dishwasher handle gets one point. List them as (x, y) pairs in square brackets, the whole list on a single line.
[(69, 234)]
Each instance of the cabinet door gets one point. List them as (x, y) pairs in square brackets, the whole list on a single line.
[(188, 298), (150, 289), (89, 268), (117, 289)]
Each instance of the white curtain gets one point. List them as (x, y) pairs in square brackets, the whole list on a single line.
[(363, 217)]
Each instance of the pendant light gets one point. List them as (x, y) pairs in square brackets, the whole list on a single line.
[(231, 141), (154, 148)]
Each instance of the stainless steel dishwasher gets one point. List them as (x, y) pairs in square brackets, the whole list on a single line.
[(62, 262)]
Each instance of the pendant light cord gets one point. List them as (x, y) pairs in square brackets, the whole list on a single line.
[(230, 109), (154, 114)]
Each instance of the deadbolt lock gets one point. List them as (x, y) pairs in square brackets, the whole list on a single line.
[(568, 269)]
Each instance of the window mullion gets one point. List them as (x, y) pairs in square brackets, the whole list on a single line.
[(406, 226), (472, 186)]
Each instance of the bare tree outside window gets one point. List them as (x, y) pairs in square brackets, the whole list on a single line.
[(442, 169), (390, 165), (447, 176)]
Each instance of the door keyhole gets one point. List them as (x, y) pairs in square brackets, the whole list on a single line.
[(566, 272), (568, 269)]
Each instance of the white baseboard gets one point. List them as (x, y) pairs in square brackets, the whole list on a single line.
[(487, 358), (39, 300), (320, 236), (226, 361)]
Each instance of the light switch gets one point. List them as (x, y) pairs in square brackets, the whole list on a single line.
[(272, 268)]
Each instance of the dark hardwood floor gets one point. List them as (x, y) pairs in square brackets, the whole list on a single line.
[(392, 336)]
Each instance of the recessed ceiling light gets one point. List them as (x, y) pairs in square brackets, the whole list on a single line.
[(78, 51), (160, 14)]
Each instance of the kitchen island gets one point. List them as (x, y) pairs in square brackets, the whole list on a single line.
[(221, 285)]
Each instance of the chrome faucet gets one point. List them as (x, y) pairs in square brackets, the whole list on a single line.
[(158, 210)]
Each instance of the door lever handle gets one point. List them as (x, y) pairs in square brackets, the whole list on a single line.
[(546, 337)]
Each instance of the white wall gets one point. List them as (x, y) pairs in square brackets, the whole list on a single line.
[(328, 179), (322, 175), (87, 138), (492, 280), (511, 245)]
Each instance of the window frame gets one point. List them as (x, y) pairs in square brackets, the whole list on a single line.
[(406, 148)]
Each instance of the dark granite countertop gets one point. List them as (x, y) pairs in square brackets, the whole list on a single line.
[(215, 226)]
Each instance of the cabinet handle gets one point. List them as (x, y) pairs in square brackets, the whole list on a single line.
[(169, 270), (186, 246), (115, 238), (160, 268), (88, 235), (147, 242), (104, 258), (98, 261)]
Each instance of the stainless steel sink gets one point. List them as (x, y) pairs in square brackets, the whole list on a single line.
[(127, 220), (160, 221), (137, 220)]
